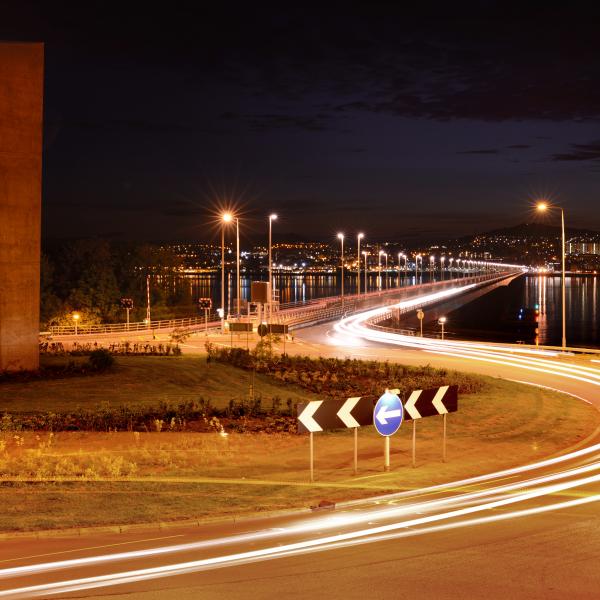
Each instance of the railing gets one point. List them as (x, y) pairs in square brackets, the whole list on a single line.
[(142, 326)]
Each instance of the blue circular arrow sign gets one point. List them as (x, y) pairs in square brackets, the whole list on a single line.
[(388, 414)]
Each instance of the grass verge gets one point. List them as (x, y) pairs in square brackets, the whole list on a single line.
[(76, 479)]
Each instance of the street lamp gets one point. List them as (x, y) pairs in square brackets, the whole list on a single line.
[(381, 253), (341, 238), (359, 237), (272, 218), (442, 260), (442, 322), (76, 317), (366, 254), (417, 266), (431, 266), (237, 264), (450, 266), (226, 218), (543, 206)]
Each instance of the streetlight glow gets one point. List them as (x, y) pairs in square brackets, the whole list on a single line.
[(542, 206), (227, 217)]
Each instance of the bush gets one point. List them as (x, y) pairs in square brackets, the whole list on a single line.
[(101, 359)]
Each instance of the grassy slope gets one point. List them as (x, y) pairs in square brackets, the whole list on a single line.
[(175, 474), (143, 381)]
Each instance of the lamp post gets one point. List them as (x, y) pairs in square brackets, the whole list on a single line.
[(379, 255), (450, 260), (400, 255), (76, 317), (442, 322), (226, 217), (431, 267), (237, 264), (341, 238), (543, 206), (366, 254), (359, 237), (272, 217), (417, 266), (442, 260)]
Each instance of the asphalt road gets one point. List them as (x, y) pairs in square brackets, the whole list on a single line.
[(522, 533)]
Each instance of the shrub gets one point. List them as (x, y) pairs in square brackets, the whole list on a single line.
[(101, 359)]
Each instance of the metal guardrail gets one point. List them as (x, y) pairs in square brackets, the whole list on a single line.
[(142, 326)]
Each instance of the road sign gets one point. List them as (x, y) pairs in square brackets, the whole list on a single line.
[(126, 303), (239, 327), (205, 303), (388, 414), (434, 401), (277, 328), (420, 315), (262, 330), (321, 415)]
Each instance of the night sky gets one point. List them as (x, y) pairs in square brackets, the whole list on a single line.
[(402, 125)]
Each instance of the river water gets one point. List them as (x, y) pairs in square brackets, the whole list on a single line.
[(492, 317)]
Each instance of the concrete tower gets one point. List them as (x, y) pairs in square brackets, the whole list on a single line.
[(21, 98)]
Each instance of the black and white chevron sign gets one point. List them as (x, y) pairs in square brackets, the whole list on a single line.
[(434, 401), (321, 415)]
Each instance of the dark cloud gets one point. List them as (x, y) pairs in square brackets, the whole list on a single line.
[(267, 122), (481, 151), (580, 152), (519, 146)]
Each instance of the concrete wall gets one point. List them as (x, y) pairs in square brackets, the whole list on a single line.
[(21, 97)]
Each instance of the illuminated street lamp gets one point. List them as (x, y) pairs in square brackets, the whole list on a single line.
[(381, 253), (543, 206), (237, 264), (226, 218), (341, 238), (450, 260), (76, 317), (272, 218), (442, 260), (359, 237), (417, 266), (431, 266), (442, 322), (366, 254)]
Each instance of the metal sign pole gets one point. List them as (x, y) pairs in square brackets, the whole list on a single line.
[(206, 321), (355, 450), (414, 444), (312, 458), (444, 447), (386, 464)]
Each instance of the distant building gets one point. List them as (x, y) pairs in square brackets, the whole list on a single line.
[(584, 245)]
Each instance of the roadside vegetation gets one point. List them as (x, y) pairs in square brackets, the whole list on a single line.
[(237, 454)]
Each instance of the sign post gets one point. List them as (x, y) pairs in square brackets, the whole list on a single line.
[(205, 304), (444, 443), (426, 403), (319, 415), (414, 444), (420, 316), (387, 418), (312, 458), (127, 304)]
